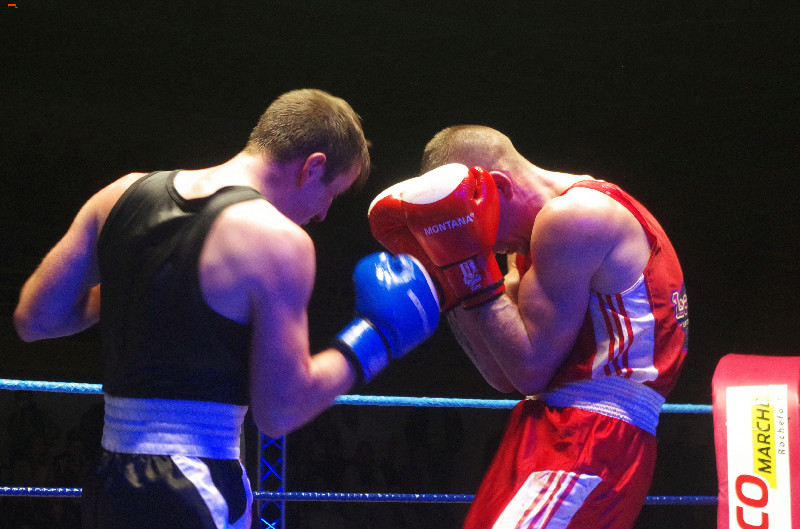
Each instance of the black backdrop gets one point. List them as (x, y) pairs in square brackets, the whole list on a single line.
[(690, 106)]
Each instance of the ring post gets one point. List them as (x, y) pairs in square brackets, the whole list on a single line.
[(757, 439)]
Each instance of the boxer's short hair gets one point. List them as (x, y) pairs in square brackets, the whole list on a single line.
[(302, 122)]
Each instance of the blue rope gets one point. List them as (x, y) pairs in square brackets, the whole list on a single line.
[(40, 492), (440, 498), (681, 500), (686, 408), (359, 400), (363, 497), (57, 387), (374, 400), (44, 492)]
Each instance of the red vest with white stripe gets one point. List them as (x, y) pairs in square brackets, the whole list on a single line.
[(641, 333)]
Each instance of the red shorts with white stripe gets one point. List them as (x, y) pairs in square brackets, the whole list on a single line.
[(565, 468)]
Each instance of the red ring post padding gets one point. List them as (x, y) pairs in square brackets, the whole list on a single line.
[(757, 438)]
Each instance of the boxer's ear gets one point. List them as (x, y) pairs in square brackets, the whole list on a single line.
[(313, 169), (503, 182)]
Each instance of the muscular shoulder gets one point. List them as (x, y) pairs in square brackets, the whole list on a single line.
[(590, 229), (104, 200), (115, 189), (255, 242), (581, 217), (94, 212)]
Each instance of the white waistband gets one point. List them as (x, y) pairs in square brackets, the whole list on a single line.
[(169, 427), (615, 397)]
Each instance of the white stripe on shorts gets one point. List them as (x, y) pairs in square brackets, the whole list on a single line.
[(547, 500), (197, 472)]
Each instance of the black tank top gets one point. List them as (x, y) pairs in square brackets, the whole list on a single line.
[(160, 338)]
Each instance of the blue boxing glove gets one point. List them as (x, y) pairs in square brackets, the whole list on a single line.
[(397, 308)]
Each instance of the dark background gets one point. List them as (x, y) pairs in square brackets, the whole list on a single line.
[(690, 106)]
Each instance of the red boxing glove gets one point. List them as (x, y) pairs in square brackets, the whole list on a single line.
[(452, 212), (387, 221)]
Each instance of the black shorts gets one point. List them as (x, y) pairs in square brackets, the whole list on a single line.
[(171, 492)]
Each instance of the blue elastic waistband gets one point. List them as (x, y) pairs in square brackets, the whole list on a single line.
[(615, 397)]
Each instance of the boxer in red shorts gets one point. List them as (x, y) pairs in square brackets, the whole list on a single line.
[(590, 322)]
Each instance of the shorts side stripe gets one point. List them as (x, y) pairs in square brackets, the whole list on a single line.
[(539, 517), (541, 498), (198, 473), (556, 508), (244, 521), (547, 500)]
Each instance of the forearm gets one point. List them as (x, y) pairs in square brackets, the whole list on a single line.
[(43, 314), (528, 365), (330, 375), (472, 342), (281, 406)]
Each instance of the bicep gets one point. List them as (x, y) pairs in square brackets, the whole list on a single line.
[(552, 310), (280, 345), (73, 260), (57, 299), (554, 292)]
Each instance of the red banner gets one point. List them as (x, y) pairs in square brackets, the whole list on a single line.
[(757, 435)]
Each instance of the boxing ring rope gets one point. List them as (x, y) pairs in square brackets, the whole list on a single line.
[(62, 492), (358, 400), (362, 400)]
